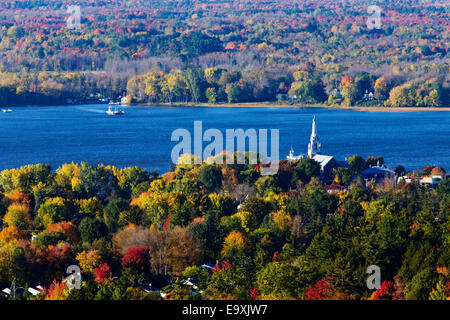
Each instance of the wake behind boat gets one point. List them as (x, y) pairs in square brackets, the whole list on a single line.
[(6, 110), (115, 112)]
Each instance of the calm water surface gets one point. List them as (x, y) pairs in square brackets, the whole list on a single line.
[(61, 134)]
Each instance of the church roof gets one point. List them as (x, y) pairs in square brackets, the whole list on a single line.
[(323, 160)]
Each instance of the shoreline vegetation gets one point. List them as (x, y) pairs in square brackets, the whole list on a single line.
[(267, 105), (300, 106)]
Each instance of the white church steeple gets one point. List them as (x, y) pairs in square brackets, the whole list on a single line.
[(314, 143)]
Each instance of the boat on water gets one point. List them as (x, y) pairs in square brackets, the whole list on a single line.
[(6, 110), (115, 112)]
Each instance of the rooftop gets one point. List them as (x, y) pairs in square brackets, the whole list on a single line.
[(322, 159), (377, 170)]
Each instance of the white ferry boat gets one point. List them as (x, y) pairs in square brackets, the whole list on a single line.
[(115, 112)]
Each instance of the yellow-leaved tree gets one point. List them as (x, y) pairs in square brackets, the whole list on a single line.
[(234, 241), (89, 260)]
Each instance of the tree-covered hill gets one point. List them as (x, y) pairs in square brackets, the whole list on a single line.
[(304, 46), (233, 233)]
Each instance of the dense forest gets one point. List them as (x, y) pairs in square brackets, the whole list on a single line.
[(298, 51), (212, 231)]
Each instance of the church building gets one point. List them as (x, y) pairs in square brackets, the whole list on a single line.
[(327, 163)]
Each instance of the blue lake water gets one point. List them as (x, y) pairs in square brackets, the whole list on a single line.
[(142, 137)]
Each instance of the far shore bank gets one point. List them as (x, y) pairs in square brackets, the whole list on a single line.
[(278, 105), (260, 105)]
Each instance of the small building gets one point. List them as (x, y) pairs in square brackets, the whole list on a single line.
[(283, 94), (335, 93), (150, 288), (378, 174), (430, 182), (368, 96), (20, 291), (335, 188), (209, 266), (292, 157)]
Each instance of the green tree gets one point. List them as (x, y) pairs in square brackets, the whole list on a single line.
[(209, 235), (92, 229), (128, 179), (281, 280), (356, 164), (210, 176), (211, 95), (18, 215), (306, 169), (342, 176), (233, 92), (421, 285), (13, 264), (444, 188), (47, 237), (55, 210), (196, 82), (24, 178), (95, 181), (111, 212), (258, 207), (266, 184)]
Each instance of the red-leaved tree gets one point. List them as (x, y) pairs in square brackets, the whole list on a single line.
[(103, 273), (390, 290), (137, 258), (321, 290)]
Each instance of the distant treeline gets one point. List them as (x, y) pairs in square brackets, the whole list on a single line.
[(218, 85)]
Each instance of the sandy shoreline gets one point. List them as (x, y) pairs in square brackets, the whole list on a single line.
[(275, 105)]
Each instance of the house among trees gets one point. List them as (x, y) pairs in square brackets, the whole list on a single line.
[(378, 174), (430, 182), (368, 96), (283, 94), (11, 293), (335, 188)]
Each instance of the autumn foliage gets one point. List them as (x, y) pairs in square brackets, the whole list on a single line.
[(137, 258), (103, 273)]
